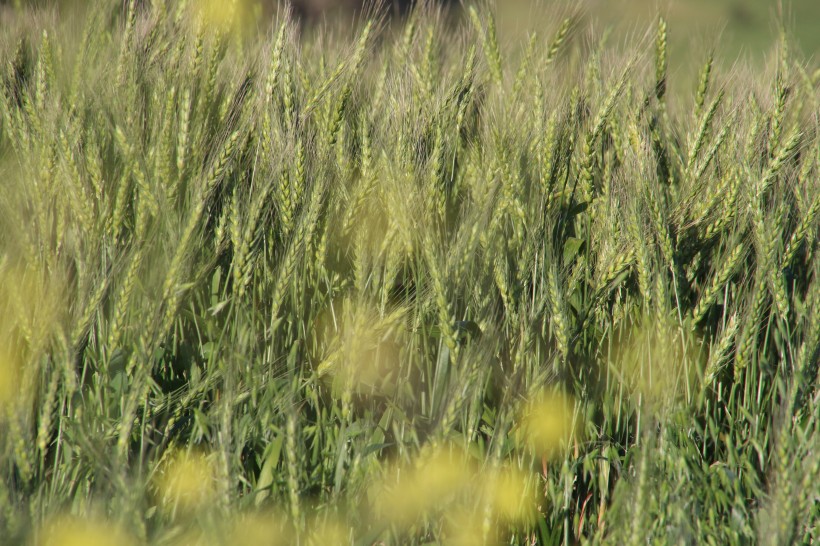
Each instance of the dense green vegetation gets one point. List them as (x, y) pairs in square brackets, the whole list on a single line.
[(401, 285)]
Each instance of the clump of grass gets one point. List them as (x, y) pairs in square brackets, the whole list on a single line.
[(404, 284)]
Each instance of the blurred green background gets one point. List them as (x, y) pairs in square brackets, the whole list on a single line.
[(737, 29), (740, 29)]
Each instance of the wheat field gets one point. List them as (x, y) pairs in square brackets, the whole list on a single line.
[(410, 282)]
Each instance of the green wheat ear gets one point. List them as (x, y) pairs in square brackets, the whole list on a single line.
[(661, 61)]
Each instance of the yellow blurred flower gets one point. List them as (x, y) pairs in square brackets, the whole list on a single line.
[(548, 423), (217, 12), (228, 15), (434, 479), (361, 347), (33, 304), (511, 494), (382, 224), (260, 529), (33, 314), (69, 531), (324, 532), (466, 528), (187, 482), (658, 360)]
